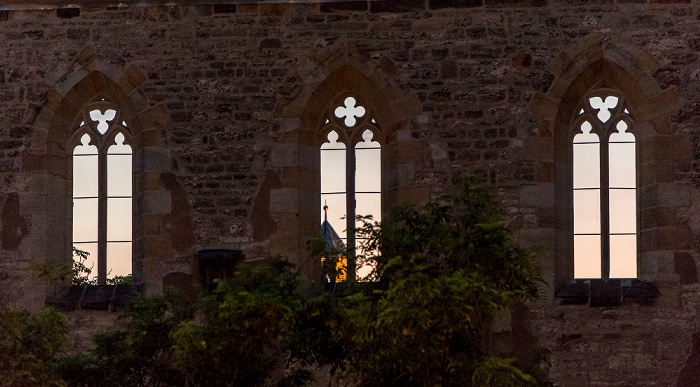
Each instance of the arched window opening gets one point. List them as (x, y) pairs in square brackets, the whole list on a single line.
[(102, 192), (350, 164), (604, 189)]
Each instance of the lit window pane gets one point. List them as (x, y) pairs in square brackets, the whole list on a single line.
[(333, 142), (85, 220), (587, 211), (587, 253), (333, 161), (336, 210), (368, 204), (119, 147), (622, 165), (623, 256), (368, 170), (623, 211), (85, 176), (586, 135), (118, 258), (364, 269), (91, 261), (85, 149), (586, 166), (333, 171), (118, 174), (119, 219)]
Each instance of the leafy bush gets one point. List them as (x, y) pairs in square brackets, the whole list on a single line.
[(138, 354), (244, 320), (442, 274), (29, 344)]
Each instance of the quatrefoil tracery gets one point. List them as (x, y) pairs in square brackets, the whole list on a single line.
[(350, 112)]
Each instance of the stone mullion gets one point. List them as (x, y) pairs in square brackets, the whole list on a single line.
[(604, 204), (350, 209), (102, 217)]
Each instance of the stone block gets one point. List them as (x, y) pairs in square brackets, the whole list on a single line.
[(537, 237), (97, 297), (648, 197), (433, 24), (415, 196), (284, 200), (397, 6), (538, 148), (658, 262), (657, 217), (147, 181), (538, 195), (122, 296), (405, 174), (154, 117), (156, 202), (152, 159), (224, 8), (684, 266), (131, 79), (673, 238), (673, 194), (606, 293), (440, 4), (284, 155), (64, 87), (68, 298), (545, 172), (341, 6)]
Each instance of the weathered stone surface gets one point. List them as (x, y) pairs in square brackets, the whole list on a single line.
[(458, 87), (14, 225), (263, 224)]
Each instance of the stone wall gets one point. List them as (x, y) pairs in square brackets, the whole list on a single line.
[(227, 102)]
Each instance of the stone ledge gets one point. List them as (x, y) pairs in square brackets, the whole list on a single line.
[(93, 297), (607, 293)]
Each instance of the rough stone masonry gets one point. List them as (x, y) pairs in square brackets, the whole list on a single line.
[(227, 102)]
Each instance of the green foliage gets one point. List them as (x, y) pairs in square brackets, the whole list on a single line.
[(29, 343), (442, 274), (138, 354), (120, 280), (237, 343), (497, 372), (81, 273)]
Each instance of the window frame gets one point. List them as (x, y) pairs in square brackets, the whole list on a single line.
[(350, 137), (621, 112), (102, 141)]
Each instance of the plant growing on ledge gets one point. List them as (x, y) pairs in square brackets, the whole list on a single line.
[(81, 273)]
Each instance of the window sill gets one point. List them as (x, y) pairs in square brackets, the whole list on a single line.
[(93, 297), (607, 293)]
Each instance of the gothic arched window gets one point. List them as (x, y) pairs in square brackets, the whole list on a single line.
[(102, 191), (604, 189), (350, 164)]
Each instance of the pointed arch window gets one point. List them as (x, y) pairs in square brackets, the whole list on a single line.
[(102, 191), (604, 189), (350, 164)]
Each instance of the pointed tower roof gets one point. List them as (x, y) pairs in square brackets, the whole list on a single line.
[(329, 235)]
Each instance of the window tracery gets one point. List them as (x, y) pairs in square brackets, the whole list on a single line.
[(102, 191), (350, 165), (604, 189)]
